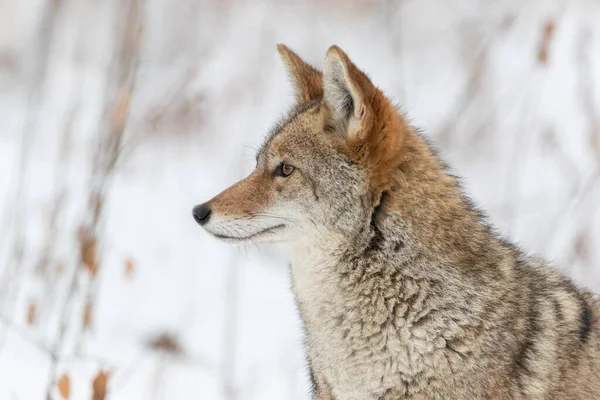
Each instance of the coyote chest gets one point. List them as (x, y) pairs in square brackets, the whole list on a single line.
[(366, 337)]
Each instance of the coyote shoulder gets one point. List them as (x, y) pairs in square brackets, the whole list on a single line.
[(404, 290)]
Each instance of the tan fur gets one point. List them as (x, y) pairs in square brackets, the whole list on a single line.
[(306, 79), (245, 197), (404, 289)]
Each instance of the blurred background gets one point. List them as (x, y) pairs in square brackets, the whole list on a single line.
[(118, 116)]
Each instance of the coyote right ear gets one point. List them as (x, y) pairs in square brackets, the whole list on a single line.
[(307, 80), (373, 128)]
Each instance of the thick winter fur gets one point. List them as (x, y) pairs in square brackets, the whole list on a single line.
[(404, 290)]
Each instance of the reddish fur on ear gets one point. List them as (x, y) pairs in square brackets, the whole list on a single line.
[(376, 136), (382, 146), (307, 80)]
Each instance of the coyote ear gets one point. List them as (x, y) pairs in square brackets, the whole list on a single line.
[(307, 80), (345, 91), (374, 129)]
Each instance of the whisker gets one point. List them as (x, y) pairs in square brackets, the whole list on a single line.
[(274, 216)]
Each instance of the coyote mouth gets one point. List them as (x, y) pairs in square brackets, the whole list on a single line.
[(249, 237)]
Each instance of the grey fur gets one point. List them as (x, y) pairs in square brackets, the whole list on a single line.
[(410, 295)]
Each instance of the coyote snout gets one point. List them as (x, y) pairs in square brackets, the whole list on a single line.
[(250, 210)]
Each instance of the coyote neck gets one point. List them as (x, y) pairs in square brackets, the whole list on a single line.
[(401, 285)]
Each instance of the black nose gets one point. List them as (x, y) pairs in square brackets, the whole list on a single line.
[(201, 214)]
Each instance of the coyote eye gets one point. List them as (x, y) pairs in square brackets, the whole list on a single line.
[(284, 170)]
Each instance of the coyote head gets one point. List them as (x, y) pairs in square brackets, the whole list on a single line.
[(323, 169)]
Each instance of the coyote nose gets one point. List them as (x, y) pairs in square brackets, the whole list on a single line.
[(201, 214)]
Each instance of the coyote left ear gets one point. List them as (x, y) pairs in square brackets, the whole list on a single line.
[(307, 80)]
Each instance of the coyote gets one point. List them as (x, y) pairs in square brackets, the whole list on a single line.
[(404, 289)]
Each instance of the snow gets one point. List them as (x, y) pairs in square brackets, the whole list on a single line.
[(209, 86)]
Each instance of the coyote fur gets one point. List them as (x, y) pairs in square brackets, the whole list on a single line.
[(404, 289)]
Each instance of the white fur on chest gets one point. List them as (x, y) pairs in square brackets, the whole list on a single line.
[(313, 279), (358, 363)]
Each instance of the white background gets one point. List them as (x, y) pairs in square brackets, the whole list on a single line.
[(203, 84)]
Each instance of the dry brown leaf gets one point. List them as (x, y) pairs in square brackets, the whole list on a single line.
[(129, 267), (64, 386), (166, 342), (549, 29), (543, 55), (87, 315), (31, 312), (87, 246), (99, 386)]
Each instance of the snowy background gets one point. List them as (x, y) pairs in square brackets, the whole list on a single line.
[(118, 116)]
